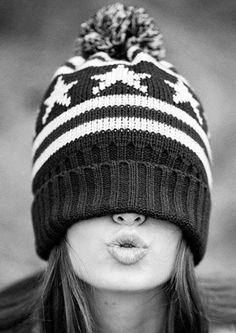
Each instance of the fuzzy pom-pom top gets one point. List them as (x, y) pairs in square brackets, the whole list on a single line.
[(115, 28)]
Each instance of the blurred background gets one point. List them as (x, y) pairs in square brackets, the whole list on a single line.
[(38, 36)]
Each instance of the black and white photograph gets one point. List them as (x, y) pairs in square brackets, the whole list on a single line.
[(117, 166)]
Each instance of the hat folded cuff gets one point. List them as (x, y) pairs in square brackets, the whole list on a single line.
[(121, 186)]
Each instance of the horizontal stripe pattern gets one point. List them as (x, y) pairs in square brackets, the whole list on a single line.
[(124, 122), (121, 100), (112, 112)]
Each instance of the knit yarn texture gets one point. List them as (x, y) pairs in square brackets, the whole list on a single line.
[(117, 136)]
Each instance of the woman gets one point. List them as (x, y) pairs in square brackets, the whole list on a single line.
[(122, 193)]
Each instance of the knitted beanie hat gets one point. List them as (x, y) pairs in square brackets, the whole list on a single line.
[(119, 130)]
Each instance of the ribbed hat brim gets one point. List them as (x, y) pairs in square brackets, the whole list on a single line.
[(121, 186)]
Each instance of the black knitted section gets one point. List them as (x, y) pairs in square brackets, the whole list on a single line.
[(121, 186)]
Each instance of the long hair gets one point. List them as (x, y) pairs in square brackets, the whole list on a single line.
[(186, 310), (58, 301)]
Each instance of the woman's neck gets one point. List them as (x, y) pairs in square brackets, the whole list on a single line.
[(132, 312)]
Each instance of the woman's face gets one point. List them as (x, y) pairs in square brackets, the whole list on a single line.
[(94, 264)]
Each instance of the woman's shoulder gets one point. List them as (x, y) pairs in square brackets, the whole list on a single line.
[(223, 329)]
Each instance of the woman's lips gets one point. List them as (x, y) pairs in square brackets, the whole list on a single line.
[(127, 256), (137, 249), (127, 237)]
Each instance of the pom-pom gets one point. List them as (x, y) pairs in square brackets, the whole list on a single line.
[(115, 28)]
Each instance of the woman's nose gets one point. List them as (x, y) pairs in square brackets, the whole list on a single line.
[(129, 218)]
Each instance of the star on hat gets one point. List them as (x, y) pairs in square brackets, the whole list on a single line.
[(58, 95), (182, 94), (120, 73)]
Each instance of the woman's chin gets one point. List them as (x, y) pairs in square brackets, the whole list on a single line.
[(126, 281)]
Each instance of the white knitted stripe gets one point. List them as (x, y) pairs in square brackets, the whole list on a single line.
[(166, 63), (118, 123), (63, 70), (121, 100), (102, 54), (76, 61)]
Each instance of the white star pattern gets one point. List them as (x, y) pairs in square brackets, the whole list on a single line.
[(182, 94), (58, 95), (120, 73)]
